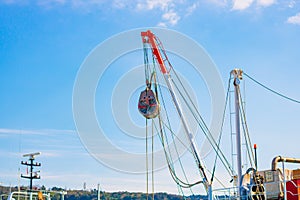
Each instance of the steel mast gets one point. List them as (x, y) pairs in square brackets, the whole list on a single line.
[(237, 75), (152, 40)]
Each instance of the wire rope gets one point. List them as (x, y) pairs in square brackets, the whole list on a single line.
[(165, 144), (169, 159), (147, 170), (221, 131), (271, 90), (207, 133), (246, 131), (200, 120), (157, 85), (152, 153)]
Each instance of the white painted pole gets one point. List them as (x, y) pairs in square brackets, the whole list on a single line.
[(187, 130), (237, 76), (284, 181), (99, 192)]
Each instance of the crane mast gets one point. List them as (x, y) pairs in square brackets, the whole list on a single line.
[(149, 38)]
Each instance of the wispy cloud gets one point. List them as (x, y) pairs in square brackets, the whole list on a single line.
[(192, 8), (19, 131), (4, 154), (171, 16), (291, 4), (294, 19), (265, 3), (170, 12), (169, 9), (221, 3), (153, 4), (35, 131), (241, 4), (245, 4)]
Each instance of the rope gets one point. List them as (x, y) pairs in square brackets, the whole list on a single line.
[(221, 131), (246, 131), (149, 76), (147, 174), (152, 152), (158, 86), (165, 144), (203, 126), (146, 64), (164, 137), (170, 164), (200, 120), (273, 91), (193, 150), (164, 140)]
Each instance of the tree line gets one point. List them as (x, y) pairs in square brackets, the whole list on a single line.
[(93, 195)]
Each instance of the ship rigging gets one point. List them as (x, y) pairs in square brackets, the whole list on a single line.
[(151, 105)]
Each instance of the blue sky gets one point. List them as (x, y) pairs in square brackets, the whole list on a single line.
[(44, 43)]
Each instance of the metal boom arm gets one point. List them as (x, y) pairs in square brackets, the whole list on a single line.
[(150, 38)]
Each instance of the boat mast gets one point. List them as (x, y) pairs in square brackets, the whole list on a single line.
[(237, 75), (150, 38)]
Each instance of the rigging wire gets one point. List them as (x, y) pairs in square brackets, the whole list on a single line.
[(149, 76), (271, 90), (221, 131), (180, 183), (200, 120), (246, 131), (194, 111), (164, 140), (146, 64), (194, 153), (170, 163), (152, 152), (231, 124), (203, 125), (147, 170), (158, 86)]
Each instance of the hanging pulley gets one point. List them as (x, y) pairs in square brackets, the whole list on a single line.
[(148, 105)]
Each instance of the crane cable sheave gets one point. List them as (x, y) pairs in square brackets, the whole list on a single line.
[(149, 37), (148, 104)]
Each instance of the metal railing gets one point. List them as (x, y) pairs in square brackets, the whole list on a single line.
[(273, 190), (33, 195), (27, 196)]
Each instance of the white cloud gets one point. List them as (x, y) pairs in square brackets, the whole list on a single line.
[(191, 9), (265, 3), (87, 4), (244, 4), (170, 11), (292, 4), (153, 4), (119, 4), (169, 8), (162, 24), (171, 17), (294, 19), (218, 2), (34, 132), (241, 4)]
